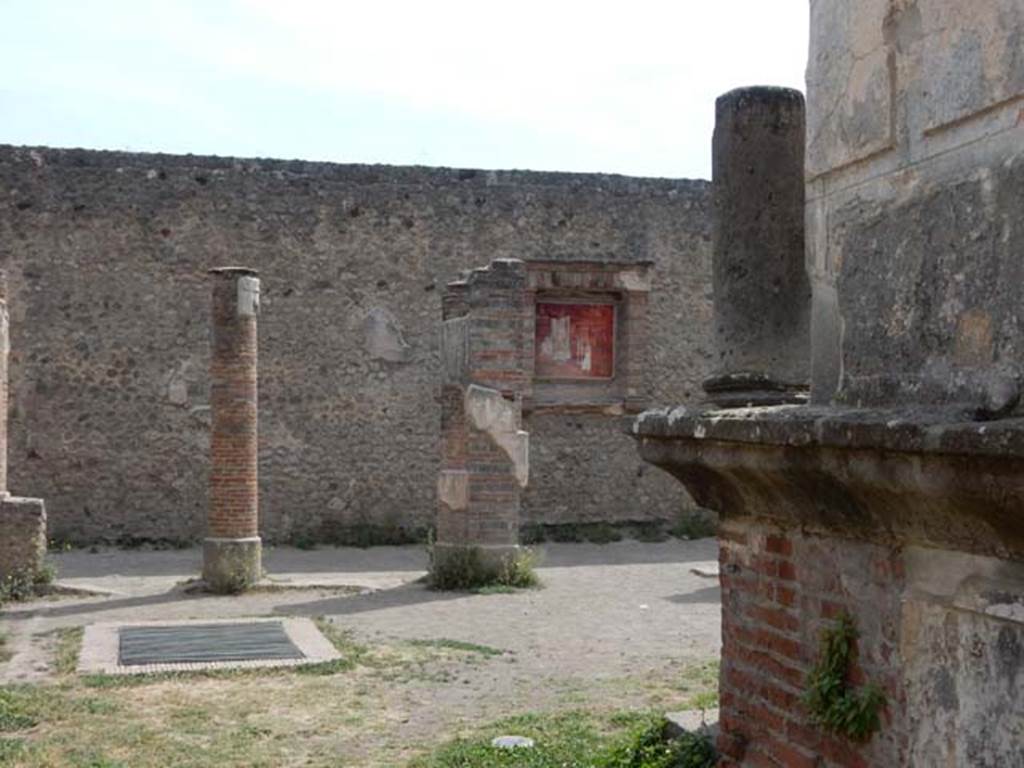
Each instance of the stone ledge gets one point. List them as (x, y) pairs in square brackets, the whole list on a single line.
[(892, 477), (947, 429)]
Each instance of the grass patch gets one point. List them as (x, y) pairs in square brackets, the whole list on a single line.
[(264, 718), (24, 585), (16, 710), (576, 739), (343, 640), (259, 718), (495, 589), (303, 541), (464, 569), (364, 535), (565, 533), (701, 676), (10, 750), (703, 701), (699, 685), (69, 645), (458, 645), (695, 524), (601, 533), (651, 532)]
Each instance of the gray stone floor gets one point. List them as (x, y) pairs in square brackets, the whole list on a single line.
[(605, 610)]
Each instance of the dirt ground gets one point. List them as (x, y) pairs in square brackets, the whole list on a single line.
[(618, 622)]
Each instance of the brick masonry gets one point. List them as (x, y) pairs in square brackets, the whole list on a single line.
[(485, 462), (780, 590), (232, 549), (234, 454), (108, 252)]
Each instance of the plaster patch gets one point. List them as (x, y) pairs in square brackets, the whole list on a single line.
[(383, 336), (453, 488), (454, 350), (177, 383), (489, 412), (634, 280), (248, 296)]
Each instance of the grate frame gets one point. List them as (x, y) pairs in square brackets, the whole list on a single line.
[(302, 643)]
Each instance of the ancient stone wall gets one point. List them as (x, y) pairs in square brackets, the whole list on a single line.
[(108, 252)]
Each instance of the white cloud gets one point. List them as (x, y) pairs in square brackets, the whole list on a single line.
[(629, 87)]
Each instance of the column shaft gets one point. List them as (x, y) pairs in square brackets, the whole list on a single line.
[(762, 295), (232, 558)]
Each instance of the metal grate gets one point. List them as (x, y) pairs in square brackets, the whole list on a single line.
[(198, 643)]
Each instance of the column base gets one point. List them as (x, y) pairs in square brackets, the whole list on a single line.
[(749, 389), (232, 565)]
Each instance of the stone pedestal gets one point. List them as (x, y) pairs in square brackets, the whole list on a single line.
[(908, 522), (762, 294), (485, 458), (232, 549), (22, 537), (22, 520)]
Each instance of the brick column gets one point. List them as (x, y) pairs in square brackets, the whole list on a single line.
[(484, 449), (762, 294), (22, 521), (232, 550)]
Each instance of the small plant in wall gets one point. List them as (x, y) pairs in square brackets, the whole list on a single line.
[(833, 703)]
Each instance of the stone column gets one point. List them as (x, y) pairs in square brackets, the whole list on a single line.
[(232, 550), (762, 296), (22, 521)]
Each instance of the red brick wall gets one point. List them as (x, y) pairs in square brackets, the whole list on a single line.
[(780, 589)]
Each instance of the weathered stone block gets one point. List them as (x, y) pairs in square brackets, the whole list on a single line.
[(929, 291), (969, 63), (232, 565), (22, 536), (849, 93)]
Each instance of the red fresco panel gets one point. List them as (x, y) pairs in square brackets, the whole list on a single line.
[(575, 341)]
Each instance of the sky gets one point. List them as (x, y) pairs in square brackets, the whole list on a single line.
[(617, 87)]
